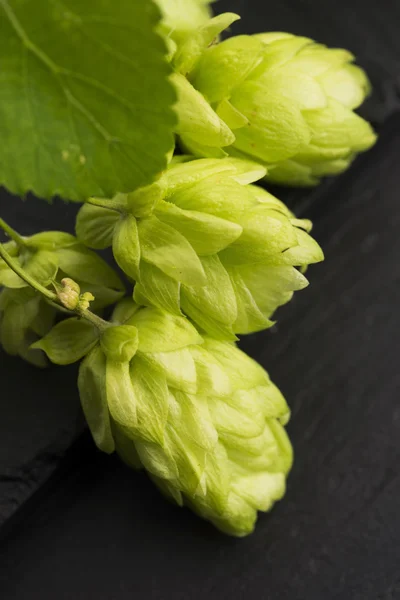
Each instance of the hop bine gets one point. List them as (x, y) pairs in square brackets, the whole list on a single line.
[(276, 98), (203, 242), (199, 415)]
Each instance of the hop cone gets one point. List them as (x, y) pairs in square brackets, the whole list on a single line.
[(24, 314), (202, 242), (279, 99), (199, 415)]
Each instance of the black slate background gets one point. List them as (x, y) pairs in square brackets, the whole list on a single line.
[(79, 525)]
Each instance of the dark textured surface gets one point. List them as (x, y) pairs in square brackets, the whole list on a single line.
[(97, 530)]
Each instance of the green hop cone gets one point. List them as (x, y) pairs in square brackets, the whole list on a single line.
[(287, 101), (49, 257), (199, 415), (203, 242)]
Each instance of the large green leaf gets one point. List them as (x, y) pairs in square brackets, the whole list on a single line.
[(85, 99)]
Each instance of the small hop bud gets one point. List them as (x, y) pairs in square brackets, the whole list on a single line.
[(85, 300), (69, 294), (199, 415)]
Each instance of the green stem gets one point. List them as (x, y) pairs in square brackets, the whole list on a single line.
[(16, 267), (98, 322), (112, 204), (14, 235)]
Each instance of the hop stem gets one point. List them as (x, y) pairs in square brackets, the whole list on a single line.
[(95, 320)]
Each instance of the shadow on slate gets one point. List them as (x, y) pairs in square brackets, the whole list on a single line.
[(103, 531), (98, 530)]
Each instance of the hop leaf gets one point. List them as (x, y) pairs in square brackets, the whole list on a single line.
[(109, 116)]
